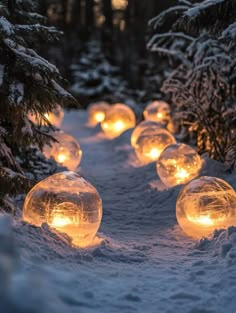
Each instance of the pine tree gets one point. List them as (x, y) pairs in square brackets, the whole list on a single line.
[(94, 76), (202, 50), (28, 84)]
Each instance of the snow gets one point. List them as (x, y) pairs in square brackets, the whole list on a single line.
[(144, 262), (6, 28)]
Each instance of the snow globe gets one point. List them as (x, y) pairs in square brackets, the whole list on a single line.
[(151, 142), (206, 204), (158, 111), (141, 127), (118, 119), (178, 164), (55, 117), (66, 151), (67, 203), (97, 112)]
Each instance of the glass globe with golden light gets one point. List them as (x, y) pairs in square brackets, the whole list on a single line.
[(141, 127), (151, 142), (178, 164), (118, 119), (158, 111), (66, 151), (67, 203), (55, 117), (97, 112), (206, 204)]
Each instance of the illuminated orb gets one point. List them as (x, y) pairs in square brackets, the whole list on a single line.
[(206, 204), (68, 203), (158, 111), (97, 112), (55, 117), (118, 119), (150, 144), (178, 164), (66, 151), (141, 127)]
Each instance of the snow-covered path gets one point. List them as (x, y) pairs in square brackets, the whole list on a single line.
[(145, 263)]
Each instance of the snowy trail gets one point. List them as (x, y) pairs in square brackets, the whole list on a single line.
[(145, 263)]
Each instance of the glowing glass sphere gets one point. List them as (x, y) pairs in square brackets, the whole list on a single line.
[(158, 111), (151, 142), (118, 119), (206, 204), (55, 117), (178, 164), (141, 127), (68, 203), (66, 151), (97, 112)]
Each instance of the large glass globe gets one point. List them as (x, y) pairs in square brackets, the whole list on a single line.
[(206, 204), (67, 203), (97, 112), (150, 144), (140, 128), (118, 119), (66, 151), (158, 111), (178, 164)]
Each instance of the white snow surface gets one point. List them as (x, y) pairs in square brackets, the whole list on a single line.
[(145, 263)]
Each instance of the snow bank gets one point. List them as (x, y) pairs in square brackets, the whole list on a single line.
[(143, 263)]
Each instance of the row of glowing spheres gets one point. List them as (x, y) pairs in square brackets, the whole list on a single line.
[(205, 203), (71, 205), (65, 201)]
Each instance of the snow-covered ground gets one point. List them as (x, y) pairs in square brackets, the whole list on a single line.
[(144, 263)]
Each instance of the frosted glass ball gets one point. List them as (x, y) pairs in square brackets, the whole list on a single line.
[(141, 127), (97, 112), (178, 164), (55, 117), (150, 144), (158, 111), (206, 204), (68, 203), (66, 151), (118, 119)]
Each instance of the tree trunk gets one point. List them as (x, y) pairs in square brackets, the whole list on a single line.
[(108, 13), (89, 14)]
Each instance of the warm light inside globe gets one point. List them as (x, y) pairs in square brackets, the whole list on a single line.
[(67, 203), (118, 119), (206, 204), (97, 112), (151, 142), (55, 117), (154, 153), (178, 164), (99, 116), (60, 158), (66, 151)]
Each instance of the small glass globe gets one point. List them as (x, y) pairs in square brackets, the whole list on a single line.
[(178, 164), (206, 204), (141, 127), (150, 144), (118, 119), (97, 112), (158, 111), (68, 203), (66, 151), (55, 117)]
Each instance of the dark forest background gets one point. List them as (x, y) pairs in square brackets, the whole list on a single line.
[(118, 32)]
